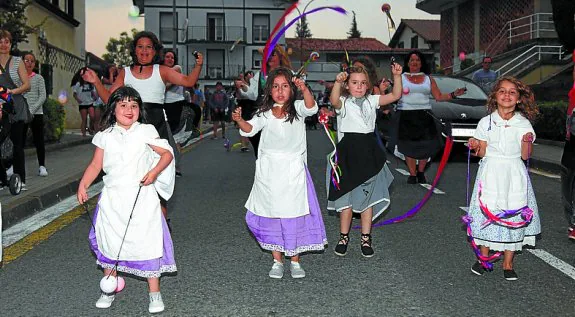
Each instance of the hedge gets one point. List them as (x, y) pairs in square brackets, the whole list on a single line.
[(550, 124), (54, 120)]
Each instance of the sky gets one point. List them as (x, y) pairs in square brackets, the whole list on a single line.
[(370, 19)]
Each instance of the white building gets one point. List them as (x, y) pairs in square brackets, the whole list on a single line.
[(227, 32), (418, 34)]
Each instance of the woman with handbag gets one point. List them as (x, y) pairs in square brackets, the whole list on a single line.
[(36, 98), (14, 77)]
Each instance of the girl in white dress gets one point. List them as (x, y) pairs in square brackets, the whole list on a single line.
[(133, 157), (504, 139), (283, 210)]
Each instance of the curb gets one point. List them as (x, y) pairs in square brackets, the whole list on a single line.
[(31, 151), (25, 207), (551, 167)]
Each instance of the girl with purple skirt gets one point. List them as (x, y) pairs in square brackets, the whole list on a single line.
[(133, 157), (283, 210)]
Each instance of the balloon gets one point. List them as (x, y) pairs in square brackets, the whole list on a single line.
[(462, 56), (121, 284), (63, 97), (405, 90), (134, 12), (386, 7), (108, 284)]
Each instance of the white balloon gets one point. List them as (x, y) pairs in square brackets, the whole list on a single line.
[(108, 284), (134, 11)]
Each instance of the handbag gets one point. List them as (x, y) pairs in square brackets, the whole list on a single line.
[(21, 108)]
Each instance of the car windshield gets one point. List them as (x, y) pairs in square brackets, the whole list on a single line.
[(449, 84)]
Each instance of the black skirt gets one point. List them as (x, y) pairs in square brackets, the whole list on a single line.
[(360, 158), (418, 133)]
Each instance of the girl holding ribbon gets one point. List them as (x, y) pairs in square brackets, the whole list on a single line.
[(503, 139), (362, 186), (283, 211)]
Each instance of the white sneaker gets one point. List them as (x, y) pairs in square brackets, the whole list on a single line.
[(23, 188), (296, 270), (277, 270), (42, 171), (105, 301), (10, 171), (156, 303)]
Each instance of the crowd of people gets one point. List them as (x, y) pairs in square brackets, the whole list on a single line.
[(134, 111)]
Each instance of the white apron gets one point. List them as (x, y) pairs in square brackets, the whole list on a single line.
[(280, 186)]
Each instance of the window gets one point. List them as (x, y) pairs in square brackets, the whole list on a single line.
[(414, 41), (261, 27), (256, 59), (215, 64), (167, 27), (215, 27)]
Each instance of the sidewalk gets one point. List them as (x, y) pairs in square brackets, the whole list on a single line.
[(65, 162)]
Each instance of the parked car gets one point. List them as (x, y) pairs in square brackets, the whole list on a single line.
[(568, 172), (461, 115)]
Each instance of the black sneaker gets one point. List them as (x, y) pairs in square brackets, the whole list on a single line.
[(412, 180), (478, 269), (421, 178), (510, 275), (341, 247), (366, 249)]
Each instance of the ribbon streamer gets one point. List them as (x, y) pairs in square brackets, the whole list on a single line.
[(323, 119), (312, 57), (276, 27), (276, 38)]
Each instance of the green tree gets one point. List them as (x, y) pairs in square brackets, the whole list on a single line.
[(354, 33), (302, 29), (118, 49), (13, 18)]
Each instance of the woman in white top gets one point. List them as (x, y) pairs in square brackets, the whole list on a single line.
[(418, 135), (174, 99)]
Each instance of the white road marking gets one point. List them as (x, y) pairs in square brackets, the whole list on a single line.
[(542, 173), (435, 190), (39, 220), (554, 262), (402, 171)]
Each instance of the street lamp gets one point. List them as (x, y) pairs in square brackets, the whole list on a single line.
[(301, 55)]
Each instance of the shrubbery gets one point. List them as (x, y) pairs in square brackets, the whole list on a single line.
[(550, 124), (54, 120)]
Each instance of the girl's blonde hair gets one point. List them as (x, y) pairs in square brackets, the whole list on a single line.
[(356, 70), (526, 104)]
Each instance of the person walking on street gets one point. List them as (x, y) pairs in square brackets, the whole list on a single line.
[(219, 105), (485, 77)]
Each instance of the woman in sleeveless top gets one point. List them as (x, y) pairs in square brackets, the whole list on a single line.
[(417, 135), (14, 72), (174, 100), (149, 78)]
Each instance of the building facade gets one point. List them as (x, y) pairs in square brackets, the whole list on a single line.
[(227, 32), (418, 34)]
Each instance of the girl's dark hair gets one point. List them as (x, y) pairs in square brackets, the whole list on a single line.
[(268, 103), (424, 66), (169, 50), (158, 47), (369, 66), (120, 94)]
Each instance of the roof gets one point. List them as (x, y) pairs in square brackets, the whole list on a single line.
[(429, 30), (365, 44)]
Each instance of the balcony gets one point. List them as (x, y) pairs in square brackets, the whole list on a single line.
[(214, 71), (437, 6), (218, 34)]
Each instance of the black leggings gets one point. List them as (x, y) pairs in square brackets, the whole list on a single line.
[(37, 127), (197, 114), (18, 137), (174, 112), (4, 133)]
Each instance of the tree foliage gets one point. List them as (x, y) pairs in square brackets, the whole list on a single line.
[(302, 29), (354, 32), (118, 49), (13, 18)]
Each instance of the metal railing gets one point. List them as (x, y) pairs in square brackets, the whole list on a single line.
[(215, 34), (529, 27), (532, 55)]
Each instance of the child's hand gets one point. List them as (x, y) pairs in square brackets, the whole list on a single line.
[(528, 137), (341, 77), (473, 144), (396, 69), (89, 75), (82, 195), (237, 114), (149, 178), (300, 84), (385, 83)]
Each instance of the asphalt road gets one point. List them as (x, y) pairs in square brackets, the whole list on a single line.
[(421, 266)]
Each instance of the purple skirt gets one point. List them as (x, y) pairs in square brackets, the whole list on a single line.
[(146, 268), (291, 236)]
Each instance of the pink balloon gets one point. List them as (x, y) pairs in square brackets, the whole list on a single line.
[(405, 90), (462, 56), (121, 284)]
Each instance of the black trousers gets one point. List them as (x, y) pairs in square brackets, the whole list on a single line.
[(18, 137), (37, 127), (197, 114), (4, 133)]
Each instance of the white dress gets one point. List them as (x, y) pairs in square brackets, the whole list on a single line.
[(505, 183), (280, 186), (127, 158)]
